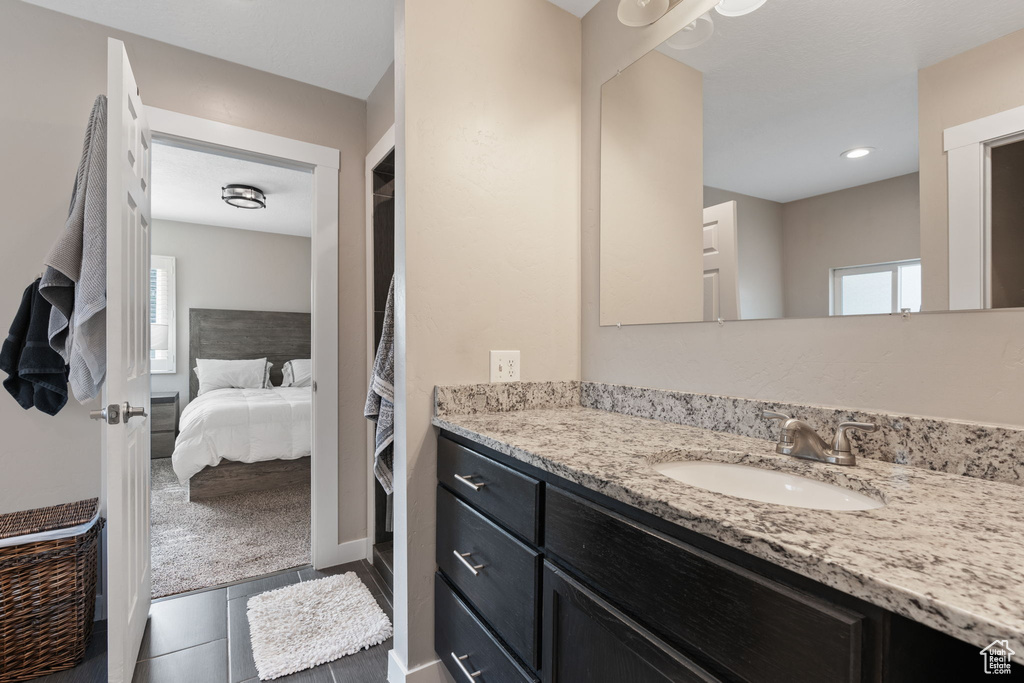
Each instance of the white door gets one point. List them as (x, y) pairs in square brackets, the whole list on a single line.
[(721, 263), (126, 437)]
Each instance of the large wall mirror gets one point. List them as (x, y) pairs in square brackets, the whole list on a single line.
[(817, 159)]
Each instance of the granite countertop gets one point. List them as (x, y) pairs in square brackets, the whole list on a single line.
[(946, 550)]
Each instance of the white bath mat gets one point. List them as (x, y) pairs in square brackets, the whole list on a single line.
[(307, 624)]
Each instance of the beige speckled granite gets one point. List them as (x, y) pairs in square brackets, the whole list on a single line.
[(974, 450), (469, 399), (947, 551), (965, 448)]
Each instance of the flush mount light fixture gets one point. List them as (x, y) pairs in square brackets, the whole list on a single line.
[(857, 152), (692, 35), (244, 196), (737, 8), (637, 13)]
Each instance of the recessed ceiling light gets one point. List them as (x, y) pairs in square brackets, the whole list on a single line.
[(636, 13), (857, 152), (692, 35), (244, 196), (737, 8)]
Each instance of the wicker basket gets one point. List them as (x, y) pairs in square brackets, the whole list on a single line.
[(47, 588)]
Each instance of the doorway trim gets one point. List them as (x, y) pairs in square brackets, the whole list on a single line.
[(968, 147), (324, 162), (376, 155)]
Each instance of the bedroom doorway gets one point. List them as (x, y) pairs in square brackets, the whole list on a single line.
[(242, 311), (230, 322)]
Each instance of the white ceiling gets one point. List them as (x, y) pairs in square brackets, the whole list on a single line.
[(341, 45), (187, 184), (577, 7), (791, 86)]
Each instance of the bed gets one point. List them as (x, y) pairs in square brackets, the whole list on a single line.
[(243, 440)]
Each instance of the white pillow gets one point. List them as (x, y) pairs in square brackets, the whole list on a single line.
[(267, 384), (231, 374), (298, 373)]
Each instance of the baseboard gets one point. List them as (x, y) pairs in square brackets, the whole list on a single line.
[(432, 672), (343, 553)]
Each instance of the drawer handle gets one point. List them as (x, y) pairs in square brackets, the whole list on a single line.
[(466, 480), (458, 660), (471, 567)]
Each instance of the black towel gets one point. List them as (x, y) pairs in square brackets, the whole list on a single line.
[(37, 374)]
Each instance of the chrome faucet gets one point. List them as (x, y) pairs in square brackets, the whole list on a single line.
[(799, 440)]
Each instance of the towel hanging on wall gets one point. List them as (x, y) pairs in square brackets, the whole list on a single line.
[(380, 403), (75, 280), (37, 376)]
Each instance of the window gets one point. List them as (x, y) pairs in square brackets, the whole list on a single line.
[(879, 288), (161, 315)]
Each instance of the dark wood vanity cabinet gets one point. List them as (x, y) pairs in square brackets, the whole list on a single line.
[(540, 579), (751, 627), (587, 640)]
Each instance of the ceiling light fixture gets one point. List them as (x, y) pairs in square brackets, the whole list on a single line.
[(637, 13), (244, 196), (692, 35), (857, 152), (737, 8)]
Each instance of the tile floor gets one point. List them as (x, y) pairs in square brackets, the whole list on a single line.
[(203, 637)]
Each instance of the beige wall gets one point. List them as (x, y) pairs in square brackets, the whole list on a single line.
[(759, 243), (487, 237), (872, 223), (219, 267), (963, 366), (972, 85), (380, 108), (651, 178), (54, 66)]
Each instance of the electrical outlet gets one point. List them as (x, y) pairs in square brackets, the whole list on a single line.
[(504, 366)]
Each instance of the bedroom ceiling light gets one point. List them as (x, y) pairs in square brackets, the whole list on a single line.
[(692, 35), (857, 152), (244, 196), (737, 8), (637, 13)]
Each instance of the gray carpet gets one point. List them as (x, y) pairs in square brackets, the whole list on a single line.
[(208, 543)]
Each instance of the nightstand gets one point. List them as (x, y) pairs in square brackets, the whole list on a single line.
[(164, 425)]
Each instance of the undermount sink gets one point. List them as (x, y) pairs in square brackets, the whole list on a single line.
[(766, 486)]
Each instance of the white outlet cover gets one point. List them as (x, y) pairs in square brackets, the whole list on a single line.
[(505, 366)]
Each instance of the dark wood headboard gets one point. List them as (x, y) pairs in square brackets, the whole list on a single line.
[(240, 335)]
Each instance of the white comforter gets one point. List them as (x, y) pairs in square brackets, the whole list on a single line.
[(247, 425)]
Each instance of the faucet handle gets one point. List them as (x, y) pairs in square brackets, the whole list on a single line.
[(841, 444), (772, 415)]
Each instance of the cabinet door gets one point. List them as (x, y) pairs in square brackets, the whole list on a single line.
[(757, 629), (586, 640)]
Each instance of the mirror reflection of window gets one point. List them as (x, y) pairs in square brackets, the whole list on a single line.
[(877, 289), (161, 315)]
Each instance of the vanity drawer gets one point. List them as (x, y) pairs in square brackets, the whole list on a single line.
[(749, 626), (505, 589), (459, 633), (508, 496)]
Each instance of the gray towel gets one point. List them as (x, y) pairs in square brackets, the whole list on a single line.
[(75, 280), (380, 399)]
